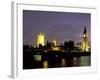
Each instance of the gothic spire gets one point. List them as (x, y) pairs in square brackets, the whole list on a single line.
[(85, 31)]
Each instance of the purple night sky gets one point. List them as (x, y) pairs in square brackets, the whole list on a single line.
[(60, 25)]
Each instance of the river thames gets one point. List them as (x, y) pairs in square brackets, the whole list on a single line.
[(63, 62)]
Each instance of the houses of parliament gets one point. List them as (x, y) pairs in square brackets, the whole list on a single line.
[(40, 40)]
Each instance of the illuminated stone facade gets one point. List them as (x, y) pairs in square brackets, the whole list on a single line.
[(40, 39), (54, 42), (85, 41)]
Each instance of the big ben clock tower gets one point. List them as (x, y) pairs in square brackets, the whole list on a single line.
[(85, 40)]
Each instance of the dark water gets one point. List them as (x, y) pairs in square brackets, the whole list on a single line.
[(63, 62)]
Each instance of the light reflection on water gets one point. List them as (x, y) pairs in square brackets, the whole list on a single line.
[(63, 62), (75, 61), (85, 61), (45, 64)]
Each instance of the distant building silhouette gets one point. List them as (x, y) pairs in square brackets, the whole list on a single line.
[(69, 45)]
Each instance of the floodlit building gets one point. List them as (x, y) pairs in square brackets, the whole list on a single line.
[(85, 46), (40, 39), (54, 42)]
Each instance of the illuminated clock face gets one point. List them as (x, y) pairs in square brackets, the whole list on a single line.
[(84, 35)]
